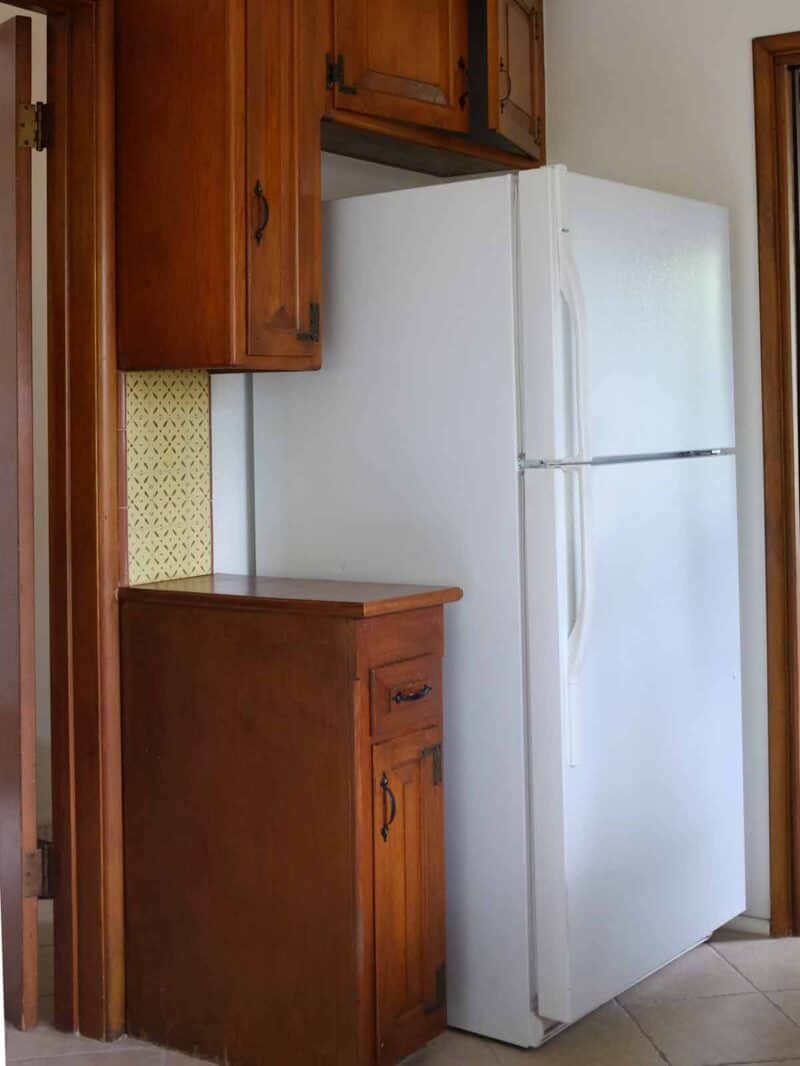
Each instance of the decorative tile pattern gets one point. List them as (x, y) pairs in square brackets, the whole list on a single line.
[(168, 468)]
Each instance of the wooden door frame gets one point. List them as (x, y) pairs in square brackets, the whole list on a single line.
[(773, 60), (82, 377)]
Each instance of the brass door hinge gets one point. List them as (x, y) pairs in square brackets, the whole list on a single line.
[(38, 872), (33, 126)]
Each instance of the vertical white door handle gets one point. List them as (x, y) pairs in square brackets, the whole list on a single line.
[(578, 637), (573, 298), (572, 292)]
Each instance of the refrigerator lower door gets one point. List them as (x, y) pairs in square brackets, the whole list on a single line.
[(636, 735)]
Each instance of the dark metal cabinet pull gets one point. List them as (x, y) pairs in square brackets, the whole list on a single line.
[(387, 792), (504, 100), (462, 66), (259, 193), (413, 697)]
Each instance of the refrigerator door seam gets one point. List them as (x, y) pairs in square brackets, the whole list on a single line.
[(614, 460)]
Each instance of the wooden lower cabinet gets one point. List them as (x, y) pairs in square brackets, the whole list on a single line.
[(284, 819)]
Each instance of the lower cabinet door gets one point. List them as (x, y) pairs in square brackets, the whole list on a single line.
[(409, 892)]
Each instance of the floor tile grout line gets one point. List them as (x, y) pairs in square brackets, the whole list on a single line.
[(733, 966), (764, 995), (690, 999), (650, 1041), (758, 1062), (778, 1007)]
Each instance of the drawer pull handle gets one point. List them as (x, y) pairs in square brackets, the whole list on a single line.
[(258, 192), (413, 697), (387, 792)]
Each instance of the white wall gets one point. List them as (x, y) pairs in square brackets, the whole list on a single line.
[(231, 394), (41, 548), (232, 473), (661, 94)]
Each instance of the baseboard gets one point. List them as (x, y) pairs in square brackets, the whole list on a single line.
[(745, 924)]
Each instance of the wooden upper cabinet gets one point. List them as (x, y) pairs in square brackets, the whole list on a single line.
[(404, 61), (218, 184), (507, 64), (517, 75), (408, 847), (283, 241)]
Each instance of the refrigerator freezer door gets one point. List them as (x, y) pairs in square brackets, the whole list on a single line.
[(634, 286), (639, 844)]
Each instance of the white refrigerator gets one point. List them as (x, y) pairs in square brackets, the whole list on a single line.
[(527, 391)]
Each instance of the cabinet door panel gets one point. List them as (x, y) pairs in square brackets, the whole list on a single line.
[(516, 73), (283, 182), (401, 60), (409, 892), (179, 195)]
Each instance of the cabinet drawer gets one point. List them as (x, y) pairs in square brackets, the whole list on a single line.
[(406, 696)]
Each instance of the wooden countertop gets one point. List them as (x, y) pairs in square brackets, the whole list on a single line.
[(343, 599)]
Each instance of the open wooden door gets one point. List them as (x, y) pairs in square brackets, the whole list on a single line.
[(18, 856)]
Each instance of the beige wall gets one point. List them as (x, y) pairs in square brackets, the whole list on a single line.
[(660, 94)]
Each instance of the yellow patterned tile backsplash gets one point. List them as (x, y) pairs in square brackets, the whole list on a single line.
[(168, 473)]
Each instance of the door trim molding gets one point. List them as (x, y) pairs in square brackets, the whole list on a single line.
[(773, 60), (84, 515)]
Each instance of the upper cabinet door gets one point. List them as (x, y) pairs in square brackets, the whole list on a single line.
[(284, 176), (405, 61), (516, 75), (218, 184)]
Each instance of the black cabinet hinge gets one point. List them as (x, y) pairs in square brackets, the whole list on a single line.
[(38, 872), (34, 126), (441, 991), (335, 75), (312, 334), (436, 752), (537, 131)]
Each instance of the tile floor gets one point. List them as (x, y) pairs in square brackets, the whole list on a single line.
[(734, 1001)]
